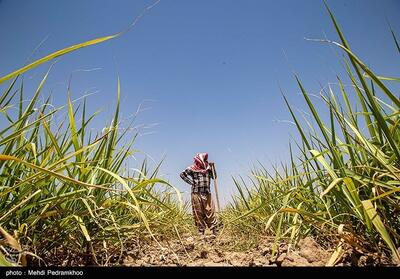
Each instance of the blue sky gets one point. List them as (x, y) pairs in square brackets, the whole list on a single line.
[(206, 73)]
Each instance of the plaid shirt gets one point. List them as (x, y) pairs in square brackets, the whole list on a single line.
[(200, 182)]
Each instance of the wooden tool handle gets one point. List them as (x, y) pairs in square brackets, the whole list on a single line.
[(216, 194), (215, 185)]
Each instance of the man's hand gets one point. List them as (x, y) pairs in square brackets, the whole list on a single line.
[(212, 166)]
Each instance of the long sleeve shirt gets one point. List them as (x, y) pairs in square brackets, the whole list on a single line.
[(200, 181)]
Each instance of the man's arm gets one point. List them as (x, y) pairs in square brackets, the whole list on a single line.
[(212, 169), (186, 176)]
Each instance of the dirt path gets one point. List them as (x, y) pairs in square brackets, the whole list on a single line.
[(208, 251)]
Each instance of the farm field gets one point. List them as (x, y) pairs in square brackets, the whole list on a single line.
[(69, 195)]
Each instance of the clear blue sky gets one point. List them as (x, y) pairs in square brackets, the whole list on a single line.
[(208, 71)]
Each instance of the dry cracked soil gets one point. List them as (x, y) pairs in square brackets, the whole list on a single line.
[(211, 251)]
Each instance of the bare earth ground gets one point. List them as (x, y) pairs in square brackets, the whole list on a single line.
[(207, 251)]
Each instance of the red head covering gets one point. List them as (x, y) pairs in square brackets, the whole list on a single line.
[(200, 163)]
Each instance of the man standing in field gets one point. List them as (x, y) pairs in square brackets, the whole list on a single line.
[(199, 175)]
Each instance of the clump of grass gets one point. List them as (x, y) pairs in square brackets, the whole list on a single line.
[(344, 186), (67, 195)]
